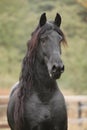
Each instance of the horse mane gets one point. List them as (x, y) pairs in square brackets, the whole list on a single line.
[(26, 79), (27, 74)]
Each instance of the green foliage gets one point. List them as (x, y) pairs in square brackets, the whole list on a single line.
[(83, 2), (17, 21)]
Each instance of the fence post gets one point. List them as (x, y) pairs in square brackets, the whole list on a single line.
[(79, 113)]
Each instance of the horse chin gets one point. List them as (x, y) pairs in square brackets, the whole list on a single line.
[(55, 75)]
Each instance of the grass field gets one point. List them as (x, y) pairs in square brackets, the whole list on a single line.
[(17, 21)]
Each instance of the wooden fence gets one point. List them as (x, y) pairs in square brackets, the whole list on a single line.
[(3, 107), (76, 108)]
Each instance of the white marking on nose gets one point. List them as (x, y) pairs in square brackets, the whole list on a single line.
[(50, 75)]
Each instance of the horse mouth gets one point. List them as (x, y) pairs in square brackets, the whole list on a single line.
[(56, 75)]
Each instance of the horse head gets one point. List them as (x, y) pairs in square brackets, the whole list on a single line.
[(50, 40)]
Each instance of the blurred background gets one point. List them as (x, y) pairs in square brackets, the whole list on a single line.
[(18, 19)]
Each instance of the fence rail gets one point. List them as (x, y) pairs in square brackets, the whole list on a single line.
[(4, 99), (74, 103)]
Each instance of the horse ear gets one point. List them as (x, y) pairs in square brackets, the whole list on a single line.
[(57, 20), (43, 19)]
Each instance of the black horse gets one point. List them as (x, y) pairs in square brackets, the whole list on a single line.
[(35, 102)]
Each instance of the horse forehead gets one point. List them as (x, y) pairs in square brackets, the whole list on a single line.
[(53, 34), (50, 23), (46, 33), (49, 32), (50, 29)]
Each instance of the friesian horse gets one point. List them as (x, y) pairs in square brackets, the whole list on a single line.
[(36, 102)]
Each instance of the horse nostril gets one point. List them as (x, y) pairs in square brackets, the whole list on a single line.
[(54, 68), (57, 68), (46, 117), (62, 69)]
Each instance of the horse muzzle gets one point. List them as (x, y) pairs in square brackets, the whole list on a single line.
[(56, 71)]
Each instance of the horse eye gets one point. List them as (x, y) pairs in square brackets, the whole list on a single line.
[(43, 40)]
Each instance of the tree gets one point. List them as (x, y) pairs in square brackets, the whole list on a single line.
[(83, 2)]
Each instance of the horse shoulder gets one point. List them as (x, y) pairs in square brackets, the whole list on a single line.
[(14, 88), (10, 107), (12, 99)]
